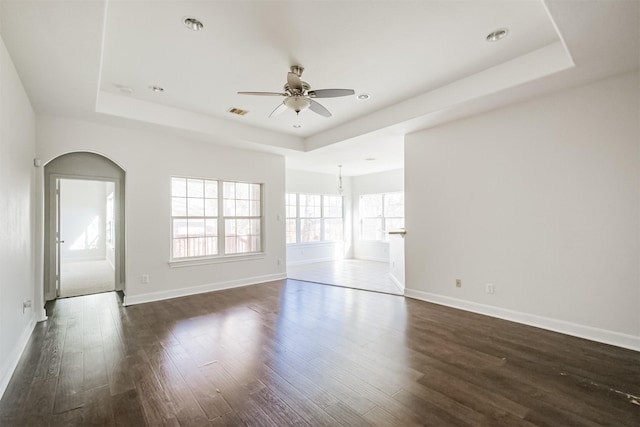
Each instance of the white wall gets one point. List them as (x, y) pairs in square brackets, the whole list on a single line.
[(17, 210), (541, 199), (150, 159), (384, 182), (83, 208), (320, 183)]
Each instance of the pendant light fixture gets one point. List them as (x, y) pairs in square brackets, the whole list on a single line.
[(340, 189)]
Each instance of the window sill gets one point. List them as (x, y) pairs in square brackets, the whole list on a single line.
[(216, 260)]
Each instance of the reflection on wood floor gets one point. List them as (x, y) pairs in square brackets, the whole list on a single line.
[(349, 273), (293, 353)]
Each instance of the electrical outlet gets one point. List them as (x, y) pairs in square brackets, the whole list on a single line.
[(489, 288), (458, 283), (145, 279), (279, 261), (26, 304)]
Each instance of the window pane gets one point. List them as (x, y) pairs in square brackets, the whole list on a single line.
[(197, 247), (255, 191), (371, 229), (195, 188), (179, 228), (370, 205), (179, 187), (309, 230), (211, 189), (229, 207), (212, 245), (229, 190), (210, 207), (196, 227), (393, 224), (254, 208), (211, 227), (309, 206), (333, 229), (394, 205), (178, 206), (195, 207), (179, 248), (242, 191), (332, 206), (291, 231), (291, 205), (242, 208)]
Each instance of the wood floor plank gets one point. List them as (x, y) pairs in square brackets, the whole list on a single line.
[(291, 353)]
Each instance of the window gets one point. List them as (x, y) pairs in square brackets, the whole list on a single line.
[(196, 223), (310, 215), (292, 214), (380, 213), (313, 218)]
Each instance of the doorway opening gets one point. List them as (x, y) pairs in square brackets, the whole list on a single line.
[(84, 233), (86, 236)]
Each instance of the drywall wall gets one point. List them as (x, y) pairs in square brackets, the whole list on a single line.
[(319, 183), (83, 208), (150, 158), (17, 210), (384, 182), (540, 199)]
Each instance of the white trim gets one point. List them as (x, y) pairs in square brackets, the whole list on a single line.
[(200, 289), (189, 262), (14, 357), (396, 282), (630, 342)]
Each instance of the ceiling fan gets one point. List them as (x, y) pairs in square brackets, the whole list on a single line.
[(298, 95)]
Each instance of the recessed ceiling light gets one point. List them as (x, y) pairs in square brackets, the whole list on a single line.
[(297, 126), (364, 96), (498, 34), (370, 159), (156, 88), (193, 24)]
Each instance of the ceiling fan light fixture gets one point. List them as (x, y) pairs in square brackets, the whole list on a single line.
[(193, 24), (497, 35), (297, 103)]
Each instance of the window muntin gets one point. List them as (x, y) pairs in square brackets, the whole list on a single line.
[(196, 223), (314, 218), (380, 213)]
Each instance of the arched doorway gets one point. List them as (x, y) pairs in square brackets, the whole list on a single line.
[(84, 225)]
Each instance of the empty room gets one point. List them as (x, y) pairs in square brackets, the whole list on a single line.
[(323, 213)]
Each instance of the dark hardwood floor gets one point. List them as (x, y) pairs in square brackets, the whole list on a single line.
[(295, 353)]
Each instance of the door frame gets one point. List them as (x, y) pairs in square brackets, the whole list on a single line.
[(52, 282)]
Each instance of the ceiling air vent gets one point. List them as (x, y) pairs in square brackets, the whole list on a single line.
[(237, 111)]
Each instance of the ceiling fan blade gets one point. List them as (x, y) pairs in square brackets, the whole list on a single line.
[(295, 84), (319, 109), (330, 93), (279, 109), (263, 93)]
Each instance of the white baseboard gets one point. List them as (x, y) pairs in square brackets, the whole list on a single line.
[(618, 339), (14, 357), (371, 258), (200, 289)]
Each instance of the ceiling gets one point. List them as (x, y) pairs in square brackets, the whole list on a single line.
[(422, 62)]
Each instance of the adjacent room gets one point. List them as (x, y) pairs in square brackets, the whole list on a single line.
[(324, 213)]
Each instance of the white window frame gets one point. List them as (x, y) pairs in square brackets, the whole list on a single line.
[(383, 218), (221, 256), (322, 219)]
